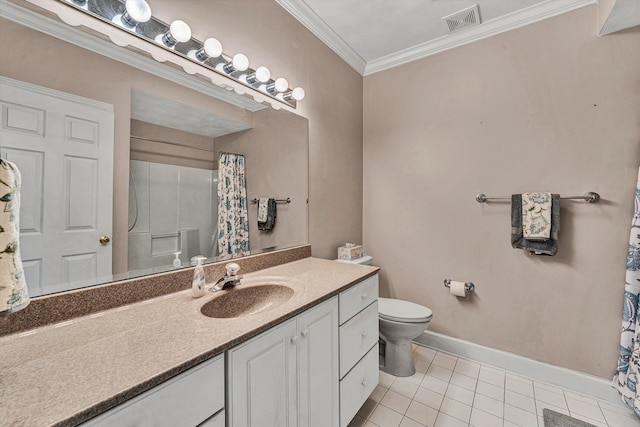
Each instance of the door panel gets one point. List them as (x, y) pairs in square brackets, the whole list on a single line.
[(63, 146)]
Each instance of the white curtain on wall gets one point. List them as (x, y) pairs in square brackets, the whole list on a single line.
[(233, 220)]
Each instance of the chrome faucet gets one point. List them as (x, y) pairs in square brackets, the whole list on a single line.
[(231, 279)]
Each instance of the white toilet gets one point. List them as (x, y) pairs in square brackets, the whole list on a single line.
[(400, 322)]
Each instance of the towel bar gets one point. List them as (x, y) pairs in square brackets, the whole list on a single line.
[(590, 197), (287, 200), (468, 286)]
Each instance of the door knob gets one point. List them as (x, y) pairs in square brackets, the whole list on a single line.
[(104, 240)]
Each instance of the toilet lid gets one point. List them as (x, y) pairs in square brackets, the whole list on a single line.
[(403, 311)]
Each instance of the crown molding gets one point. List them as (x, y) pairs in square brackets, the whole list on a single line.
[(307, 17), (486, 29), (80, 38), (320, 29)]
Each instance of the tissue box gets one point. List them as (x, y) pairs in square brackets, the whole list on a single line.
[(350, 252)]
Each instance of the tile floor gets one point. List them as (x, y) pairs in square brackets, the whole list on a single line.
[(449, 391)]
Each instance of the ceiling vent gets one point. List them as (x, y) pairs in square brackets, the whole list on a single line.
[(469, 17)]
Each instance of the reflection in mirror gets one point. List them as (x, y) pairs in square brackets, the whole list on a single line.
[(144, 175)]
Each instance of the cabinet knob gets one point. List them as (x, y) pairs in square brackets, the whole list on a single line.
[(294, 339), (364, 295), (305, 333), (365, 382), (365, 334)]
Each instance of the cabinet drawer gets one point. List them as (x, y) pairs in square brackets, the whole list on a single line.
[(358, 385), (357, 336), (358, 297), (186, 400)]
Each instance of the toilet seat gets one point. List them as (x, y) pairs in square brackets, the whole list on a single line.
[(403, 311)]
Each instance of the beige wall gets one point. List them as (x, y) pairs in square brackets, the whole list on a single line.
[(548, 107), (276, 162)]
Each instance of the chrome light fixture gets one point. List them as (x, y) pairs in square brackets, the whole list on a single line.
[(239, 63), (260, 75), (297, 94), (211, 48), (135, 16), (179, 32), (280, 85), (136, 11)]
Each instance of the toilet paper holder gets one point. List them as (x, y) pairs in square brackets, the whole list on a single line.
[(468, 286)]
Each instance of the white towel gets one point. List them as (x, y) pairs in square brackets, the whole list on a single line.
[(536, 216), (13, 288), (263, 208)]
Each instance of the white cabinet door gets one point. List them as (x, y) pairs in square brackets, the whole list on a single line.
[(318, 397), (262, 379)]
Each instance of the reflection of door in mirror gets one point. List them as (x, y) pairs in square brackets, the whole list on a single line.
[(63, 145)]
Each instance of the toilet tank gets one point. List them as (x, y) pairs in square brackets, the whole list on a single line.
[(364, 260)]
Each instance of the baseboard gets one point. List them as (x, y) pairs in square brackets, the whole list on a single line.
[(599, 388)]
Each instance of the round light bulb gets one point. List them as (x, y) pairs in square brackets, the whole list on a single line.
[(281, 84), (297, 94), (138, 10), (263, 74), (213, 47), (240, 62), (180, 31)]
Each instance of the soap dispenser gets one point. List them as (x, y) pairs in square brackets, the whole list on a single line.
[(197, 286), (177, 263)]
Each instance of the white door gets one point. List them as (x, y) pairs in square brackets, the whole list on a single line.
[(318, 372), (63, 146), (261, 387)]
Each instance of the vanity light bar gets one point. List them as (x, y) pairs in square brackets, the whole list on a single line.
[(135, 16)]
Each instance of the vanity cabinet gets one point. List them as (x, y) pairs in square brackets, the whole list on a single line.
[(193, 398), (314, 370), (288, 375), (358, 346)]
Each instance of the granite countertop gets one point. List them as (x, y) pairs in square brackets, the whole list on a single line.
[(67, 373)]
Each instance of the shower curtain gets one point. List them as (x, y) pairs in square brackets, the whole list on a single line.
[(233, 221), (628, 371)]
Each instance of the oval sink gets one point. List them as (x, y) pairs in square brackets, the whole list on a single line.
[(239, 302)]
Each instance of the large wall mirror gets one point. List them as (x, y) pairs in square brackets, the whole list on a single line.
[(91, 218)]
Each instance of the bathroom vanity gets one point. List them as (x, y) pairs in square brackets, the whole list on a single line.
[(310, 361)]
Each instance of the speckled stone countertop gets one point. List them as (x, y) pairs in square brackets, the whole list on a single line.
[(67, 373)]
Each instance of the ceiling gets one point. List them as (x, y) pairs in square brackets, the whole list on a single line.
[(374, 35)]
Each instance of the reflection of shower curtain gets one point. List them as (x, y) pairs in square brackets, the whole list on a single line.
[(233, 221), (628, 372)]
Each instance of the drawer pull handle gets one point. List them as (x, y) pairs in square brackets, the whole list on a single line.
[(294, 339), (305, 333), (365, 382), (365, 334), (364, 295)]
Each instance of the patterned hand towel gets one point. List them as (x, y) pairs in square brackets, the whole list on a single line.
[(535, 247), (536, 216), (263, 205), (13, 288)]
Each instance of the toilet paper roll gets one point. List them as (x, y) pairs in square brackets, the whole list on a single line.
[(457, 288)]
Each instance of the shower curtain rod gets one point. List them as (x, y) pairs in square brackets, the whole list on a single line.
[(173, 143), (590, 197)]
